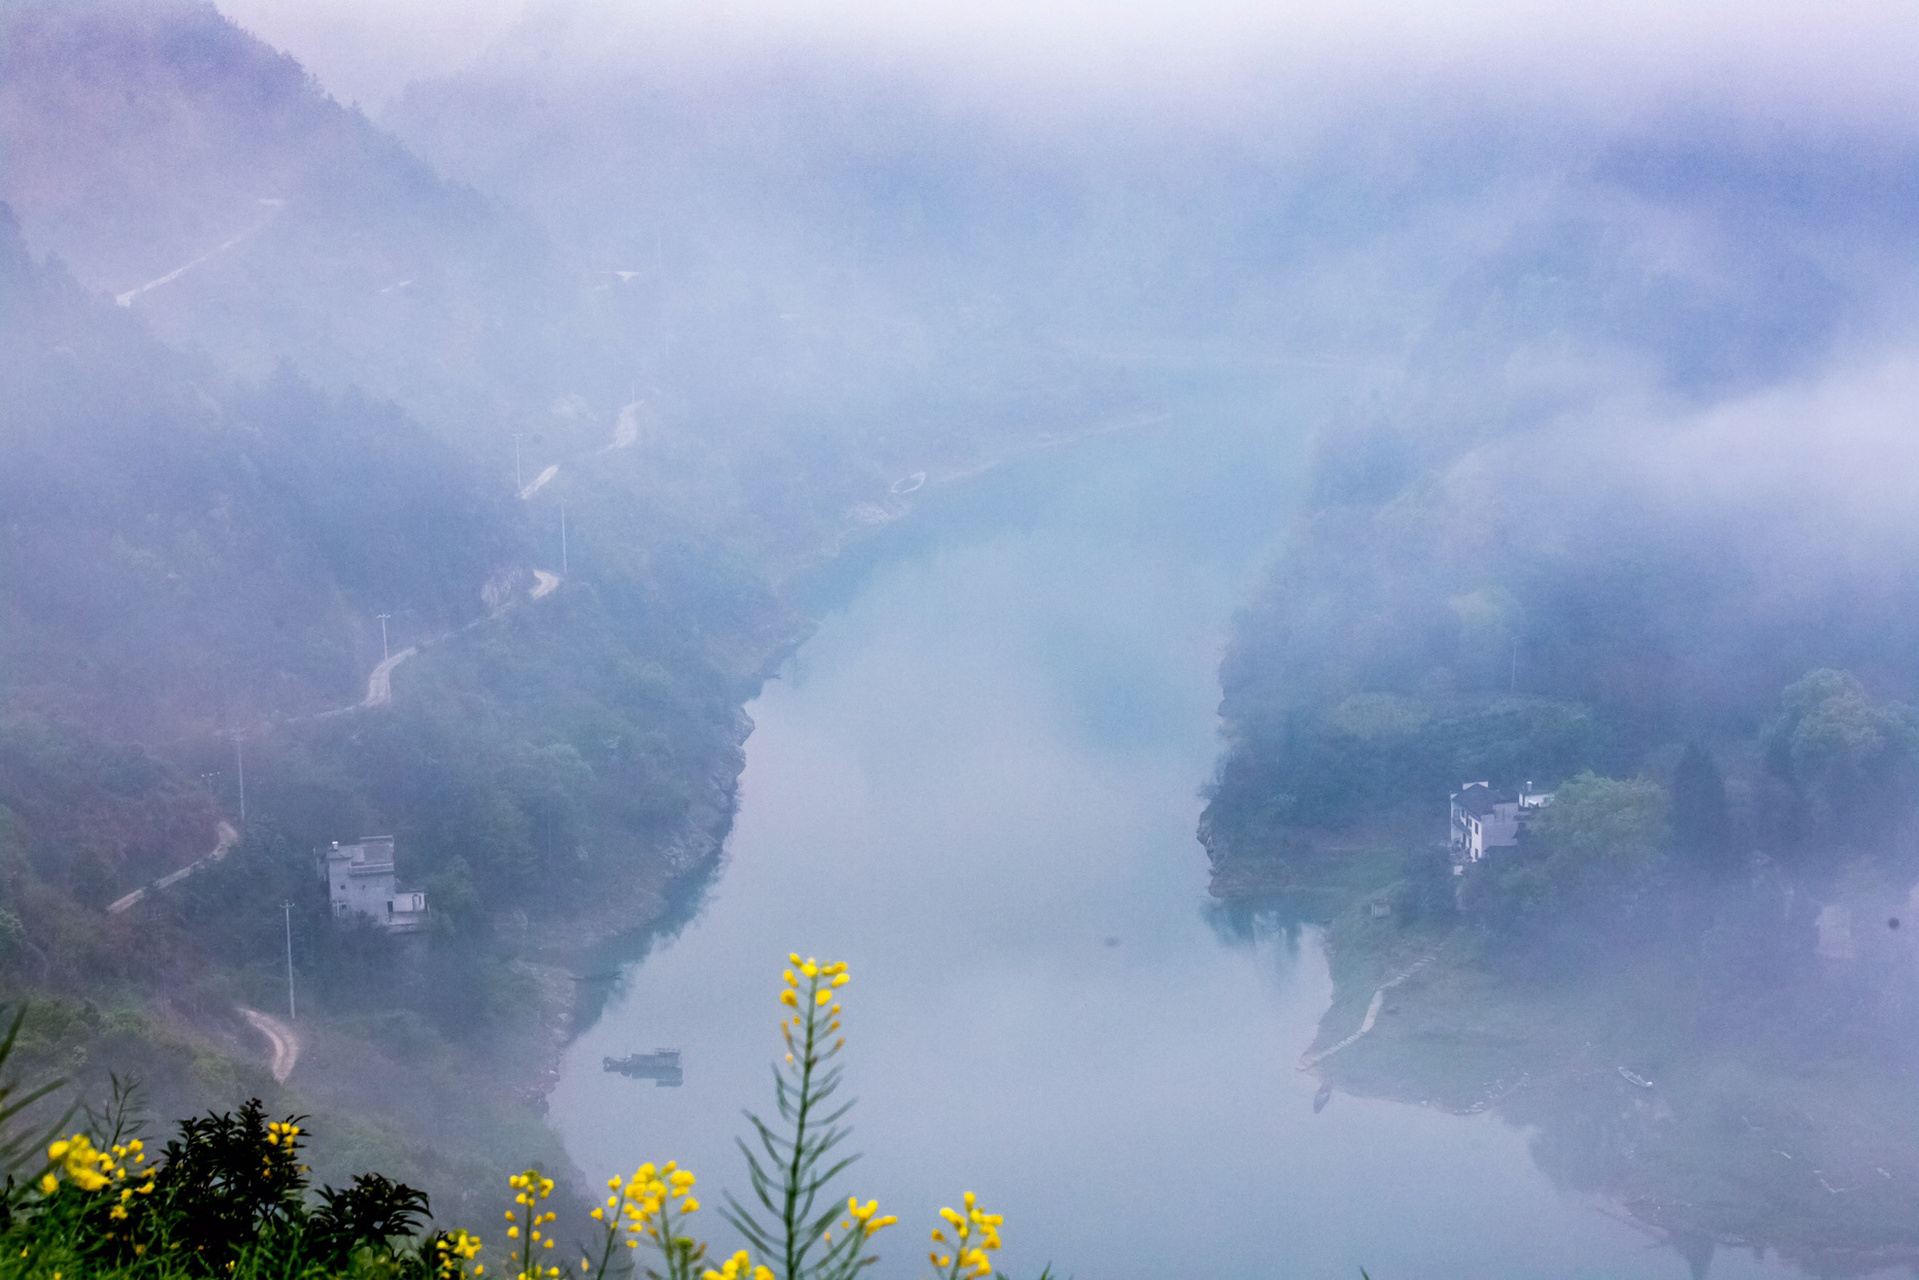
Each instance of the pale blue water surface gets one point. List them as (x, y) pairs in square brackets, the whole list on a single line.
[(978, 785)]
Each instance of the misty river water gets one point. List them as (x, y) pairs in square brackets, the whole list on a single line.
[(978, 785)]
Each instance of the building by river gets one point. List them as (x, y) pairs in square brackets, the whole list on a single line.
[(1483, 819)]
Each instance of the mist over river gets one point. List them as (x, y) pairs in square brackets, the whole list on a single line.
[(977, 784)]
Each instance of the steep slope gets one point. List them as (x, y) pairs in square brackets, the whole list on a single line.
[(175, 162), (187, 550)]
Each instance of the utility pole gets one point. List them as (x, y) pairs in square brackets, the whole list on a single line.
[(287, 907), (562, 537), (240, 766), (1514, 686), (383, 617)]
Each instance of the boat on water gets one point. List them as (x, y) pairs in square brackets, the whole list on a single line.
[(662, 1067)]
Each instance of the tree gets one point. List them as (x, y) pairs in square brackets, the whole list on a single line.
[(1590, 855), (1850, 762), (1701, 830)]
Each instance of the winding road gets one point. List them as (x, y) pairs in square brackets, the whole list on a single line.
[(284, 1039), (379, 684), (1311, 1060), (228, 838), (273, 211), (539, 480)]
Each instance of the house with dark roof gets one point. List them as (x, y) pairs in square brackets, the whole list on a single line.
[(1484, 818)]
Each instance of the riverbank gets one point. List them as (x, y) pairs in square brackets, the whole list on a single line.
[(1707, 1129)]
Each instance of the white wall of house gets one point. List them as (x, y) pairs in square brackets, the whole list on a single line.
[(1478, 826), (361, 882)]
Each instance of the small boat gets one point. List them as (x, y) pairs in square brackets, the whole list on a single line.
[(1633, 1077), (1324, 1096), (662, 1067)]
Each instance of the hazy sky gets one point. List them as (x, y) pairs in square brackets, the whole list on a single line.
[(1792, 57)]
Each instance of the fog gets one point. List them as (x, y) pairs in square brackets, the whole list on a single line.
[(1054, 508), (1777, 60)]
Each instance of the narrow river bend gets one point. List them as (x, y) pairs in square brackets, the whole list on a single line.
[(978, 785)]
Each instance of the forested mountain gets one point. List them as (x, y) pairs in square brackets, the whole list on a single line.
[(158, 142), (215, 492), (1538, 552), (1633, 529), (570, 382)]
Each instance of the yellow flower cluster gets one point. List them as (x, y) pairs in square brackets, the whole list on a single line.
[(639, 1204), (975, 1235), (862, 1214), (455, 1252), (821, 981), (529, 1189), (91, 1169), (737, 1268), (282, 1135)]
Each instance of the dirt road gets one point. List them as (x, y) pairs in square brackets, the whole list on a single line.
[(539, 480), (285, 1041), (1311, 1060), (379, 685), (228, 838), (273, 210)]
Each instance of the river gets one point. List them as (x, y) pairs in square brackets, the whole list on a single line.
[(977, 784)]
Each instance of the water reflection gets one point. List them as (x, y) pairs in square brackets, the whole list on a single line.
[(981, 792)]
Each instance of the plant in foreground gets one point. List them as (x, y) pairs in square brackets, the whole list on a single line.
[(795, 1162), (975, 1235), (229, 1198), (645, 1208), (800, 1228), (530, 1189)]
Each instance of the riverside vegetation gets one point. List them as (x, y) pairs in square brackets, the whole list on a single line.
[(1653, 977), (222, 498), (230, 1198)]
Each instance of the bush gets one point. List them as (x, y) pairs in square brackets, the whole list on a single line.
[(228, 1198)]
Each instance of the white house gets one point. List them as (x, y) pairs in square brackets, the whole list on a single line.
[(360, 882), (1483, 818)]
